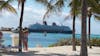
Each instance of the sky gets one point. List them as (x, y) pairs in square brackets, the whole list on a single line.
[(34, 12)]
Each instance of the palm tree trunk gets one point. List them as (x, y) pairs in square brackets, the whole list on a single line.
[(73, 40), (89, 31), (20, 27), (84, 30)]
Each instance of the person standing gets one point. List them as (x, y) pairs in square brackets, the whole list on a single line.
[(1, 34), (25, 39), (15, 39)]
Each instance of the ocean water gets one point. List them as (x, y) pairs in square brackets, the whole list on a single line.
[(39, 38)]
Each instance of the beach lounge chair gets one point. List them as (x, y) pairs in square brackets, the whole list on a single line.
[(11, 48), (8, 48)]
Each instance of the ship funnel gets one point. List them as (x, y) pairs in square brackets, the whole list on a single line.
[(44, 22)]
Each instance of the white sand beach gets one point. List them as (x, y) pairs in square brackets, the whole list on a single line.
[(53, 51)]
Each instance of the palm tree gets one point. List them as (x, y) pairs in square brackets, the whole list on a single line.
[(9, 8), (4, 5), (83, 30), (74, 4), (93, 9), (21, 2), (92, 5), (89, 26)]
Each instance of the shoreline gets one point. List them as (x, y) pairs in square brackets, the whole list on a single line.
[(6, 31), (50, 33)]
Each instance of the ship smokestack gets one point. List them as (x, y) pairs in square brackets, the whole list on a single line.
[(44, 22), (53, 24)]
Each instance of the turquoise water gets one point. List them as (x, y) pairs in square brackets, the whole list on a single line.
[(39, 38)]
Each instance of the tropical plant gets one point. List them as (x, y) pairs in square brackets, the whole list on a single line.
[(5, 5), (75, 10), (93, 9), (95, 42), (83, 29), (89, 25), (65, 41), (21, 2), (52, 6)]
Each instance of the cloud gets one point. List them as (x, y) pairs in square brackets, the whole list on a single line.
[(30, 15)]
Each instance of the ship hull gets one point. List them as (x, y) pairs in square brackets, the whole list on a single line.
[(49, 29)]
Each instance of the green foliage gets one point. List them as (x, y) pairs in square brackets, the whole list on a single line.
[(95, 42), (5, 5), (63, 42), (75, 6), (52, 6), (60, 43), (68, 41)]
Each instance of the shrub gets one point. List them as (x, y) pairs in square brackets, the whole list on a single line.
[(68, 41)]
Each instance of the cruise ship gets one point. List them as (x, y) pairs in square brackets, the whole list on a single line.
[(49, 28)]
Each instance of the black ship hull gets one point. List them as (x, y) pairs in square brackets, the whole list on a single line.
[(49, 29)]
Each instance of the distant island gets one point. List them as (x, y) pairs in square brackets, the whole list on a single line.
[(5, 29)]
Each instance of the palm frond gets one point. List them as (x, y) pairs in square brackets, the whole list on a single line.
[(95, 5), (97, 17), (52, 6), (6, 6), (45, 15), (59, 4), (75, 7), (50, 10), (49, 6), (45, 2)]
